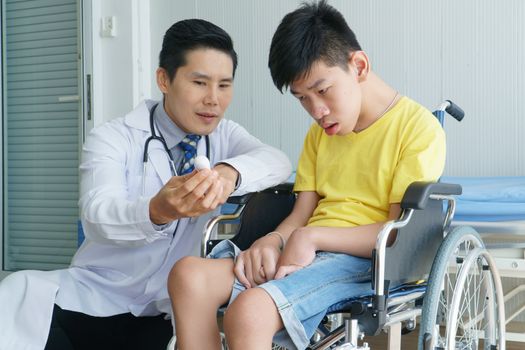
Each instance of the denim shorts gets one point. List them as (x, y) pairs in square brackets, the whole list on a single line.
[(304, 297)]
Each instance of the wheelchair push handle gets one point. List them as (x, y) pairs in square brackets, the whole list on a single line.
[(453, 109)]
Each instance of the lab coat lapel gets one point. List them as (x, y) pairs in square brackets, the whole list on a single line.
[(159, 160), (157, 157)]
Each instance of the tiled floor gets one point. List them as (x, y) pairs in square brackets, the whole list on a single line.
[(409, 342)]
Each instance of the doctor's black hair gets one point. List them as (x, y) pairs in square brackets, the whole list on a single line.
[(192, 34), (315, 31)]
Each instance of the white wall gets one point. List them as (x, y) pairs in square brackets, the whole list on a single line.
[(472, 52), (121, 65)]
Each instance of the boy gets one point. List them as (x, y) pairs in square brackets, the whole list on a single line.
[(367, 145)]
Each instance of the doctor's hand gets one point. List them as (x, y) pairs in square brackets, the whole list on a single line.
[(257, 264), (228, 178), (189, 195), (298, 253)]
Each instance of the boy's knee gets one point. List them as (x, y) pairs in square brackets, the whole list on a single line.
[(186, 273), (243, 315)]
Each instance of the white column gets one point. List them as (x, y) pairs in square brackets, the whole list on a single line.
[(141, 50)]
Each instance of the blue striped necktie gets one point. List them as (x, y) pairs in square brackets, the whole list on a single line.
[(189, 146)]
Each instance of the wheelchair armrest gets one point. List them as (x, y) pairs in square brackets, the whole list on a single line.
[(285, 187), (264, 209), (240, 200), (416, 197), (417, 194), (212, 222)]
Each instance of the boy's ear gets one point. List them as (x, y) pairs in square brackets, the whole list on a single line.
[(163, 80), (359, 62)]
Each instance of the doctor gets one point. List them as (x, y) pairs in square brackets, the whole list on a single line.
[(143, 206)]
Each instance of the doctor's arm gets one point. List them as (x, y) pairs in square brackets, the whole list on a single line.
[(249, 164), (113, 208), (259, 165)]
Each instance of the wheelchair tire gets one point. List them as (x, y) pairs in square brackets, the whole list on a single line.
[(452, 286)]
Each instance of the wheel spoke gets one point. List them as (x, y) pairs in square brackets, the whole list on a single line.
[(462, 293)]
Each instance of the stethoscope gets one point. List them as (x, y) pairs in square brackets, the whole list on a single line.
[(160, 138)]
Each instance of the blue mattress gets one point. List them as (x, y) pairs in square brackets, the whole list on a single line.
[(483, 199), (489, 198)]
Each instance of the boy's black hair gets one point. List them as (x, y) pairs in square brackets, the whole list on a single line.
[(192, 34), (315, 31)]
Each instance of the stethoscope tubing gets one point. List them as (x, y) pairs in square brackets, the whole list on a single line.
[(160, 138)]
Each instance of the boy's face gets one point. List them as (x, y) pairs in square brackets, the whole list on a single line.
[(200, 91), (331, 95)]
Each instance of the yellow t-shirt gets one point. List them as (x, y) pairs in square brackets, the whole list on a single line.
[(360, 174)]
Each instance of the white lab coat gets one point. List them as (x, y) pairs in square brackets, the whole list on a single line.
[(123, 264)]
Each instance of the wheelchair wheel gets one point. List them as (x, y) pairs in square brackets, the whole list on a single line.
[(463, 306), (474, 313)]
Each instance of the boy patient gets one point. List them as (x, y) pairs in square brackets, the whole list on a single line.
[(365, 147)]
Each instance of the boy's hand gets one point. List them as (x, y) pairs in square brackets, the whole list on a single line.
[(186, 196), (257, 264), (298, 253)]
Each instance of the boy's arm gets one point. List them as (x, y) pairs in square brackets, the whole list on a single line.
[(258, 263), (304, 242), (357, 241), (303, 209)]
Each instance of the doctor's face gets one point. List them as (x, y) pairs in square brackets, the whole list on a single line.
[(200, 91)]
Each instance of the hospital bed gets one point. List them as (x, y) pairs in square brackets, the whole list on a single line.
[(495, 207)]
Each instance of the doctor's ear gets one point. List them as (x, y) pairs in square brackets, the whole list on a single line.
[(163, 80)]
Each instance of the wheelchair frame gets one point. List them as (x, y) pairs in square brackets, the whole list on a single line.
[(463, 287)]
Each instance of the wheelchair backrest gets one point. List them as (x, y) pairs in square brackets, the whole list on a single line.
[(263, 212), (410, 257)]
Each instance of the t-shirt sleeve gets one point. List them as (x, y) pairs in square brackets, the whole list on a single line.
[(305, 177), (422, 157)]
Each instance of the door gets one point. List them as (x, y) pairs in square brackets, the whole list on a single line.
[(41, 132)]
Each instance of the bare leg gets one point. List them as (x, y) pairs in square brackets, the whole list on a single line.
[(251, 321), (197, 288)]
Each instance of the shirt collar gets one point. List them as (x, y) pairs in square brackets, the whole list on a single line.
[(169, 130)]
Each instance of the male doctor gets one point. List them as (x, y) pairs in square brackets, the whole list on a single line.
[(143, 206)]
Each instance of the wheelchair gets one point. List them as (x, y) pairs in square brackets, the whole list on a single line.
[(444, 278), (450, 280)]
